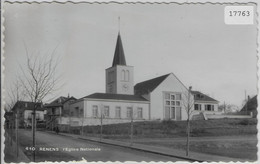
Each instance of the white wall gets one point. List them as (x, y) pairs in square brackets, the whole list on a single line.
[(27, 113), (79, 104), (112, 106), (130, 82), (88, 119), (170, 84), (75, 121)]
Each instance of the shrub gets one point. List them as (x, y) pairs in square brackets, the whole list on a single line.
[(248, 122), (197, 131)]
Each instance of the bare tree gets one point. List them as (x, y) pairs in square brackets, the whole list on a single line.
[(188, 103), (15, 93), (39, 80)]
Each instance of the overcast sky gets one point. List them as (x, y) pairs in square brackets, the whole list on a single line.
[(191, 41)]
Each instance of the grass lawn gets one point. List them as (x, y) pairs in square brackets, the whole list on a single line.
[(242, 149), (159, 132)]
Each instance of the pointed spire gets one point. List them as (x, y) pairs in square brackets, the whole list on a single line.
[(119, 56)]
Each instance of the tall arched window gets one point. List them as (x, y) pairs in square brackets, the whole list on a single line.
[(126, 75), (123, 75)]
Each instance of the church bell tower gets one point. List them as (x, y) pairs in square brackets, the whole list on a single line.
[(119, 77)]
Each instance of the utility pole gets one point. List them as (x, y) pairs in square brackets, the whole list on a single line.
[(101, 123), (245, 102), (11, 124), (132, 126), (34, 129), (188, 123), (16, 134), (82, 125)]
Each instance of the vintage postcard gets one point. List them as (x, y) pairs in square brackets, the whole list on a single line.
[(135, 81)]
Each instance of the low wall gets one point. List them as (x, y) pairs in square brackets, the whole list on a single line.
[(212, 116), (75, 121)]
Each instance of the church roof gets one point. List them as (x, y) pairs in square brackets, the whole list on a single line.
[(110, 96), (119, 56), (149, 85), (198, 96)]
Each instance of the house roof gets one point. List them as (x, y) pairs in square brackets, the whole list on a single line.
[(251, 104), (149, 85), (198, 96), (59, 101), (27, 105), (119, 56), (110, 96)]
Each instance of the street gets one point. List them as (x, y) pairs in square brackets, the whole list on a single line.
[(54, 147)]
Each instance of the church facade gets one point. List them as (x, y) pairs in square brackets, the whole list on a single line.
[(160, 98)]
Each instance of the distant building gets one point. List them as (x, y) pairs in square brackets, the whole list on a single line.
[(24, 110), (204, 103), (250, 106)]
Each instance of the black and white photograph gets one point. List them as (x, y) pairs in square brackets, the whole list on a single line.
[(129, 82)]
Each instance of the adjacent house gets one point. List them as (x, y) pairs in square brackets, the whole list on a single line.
[(250, 106), (24, 110), (57, 109)]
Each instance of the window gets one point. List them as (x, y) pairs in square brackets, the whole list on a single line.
[(118, 112), (106, 111), (209, 107), (81, 112), (167, 96), (126, 75), (123, 75), (37, 116), (172, 112), (95, 111), (172, 101), (110, 76), (77, 111), (129, 112), (139, 112), (178, 103), (167, 112), (197, 107), (178, 96)]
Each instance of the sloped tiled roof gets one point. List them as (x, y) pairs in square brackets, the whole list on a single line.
[(251, 104), (149, 85), (119, 56), (59, 101), (198, 96), (27, 105), (110, 96)]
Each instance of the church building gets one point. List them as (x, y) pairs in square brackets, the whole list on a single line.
[(160, 98)]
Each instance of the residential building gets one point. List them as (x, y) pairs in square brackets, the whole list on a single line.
[(24, 111), (250, 106), (57, 109)]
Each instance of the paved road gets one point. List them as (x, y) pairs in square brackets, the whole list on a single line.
[(92, 151)]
